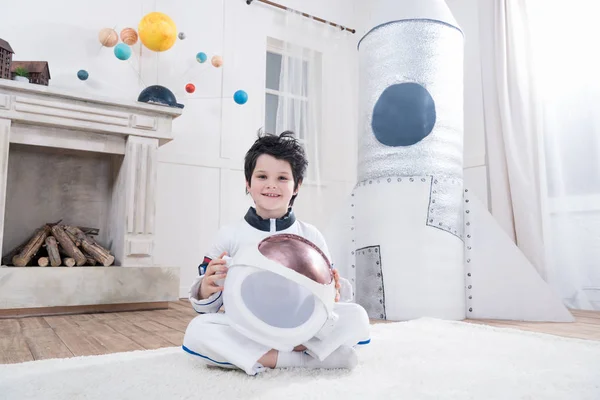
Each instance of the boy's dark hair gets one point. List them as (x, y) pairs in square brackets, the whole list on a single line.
[(283, 147)]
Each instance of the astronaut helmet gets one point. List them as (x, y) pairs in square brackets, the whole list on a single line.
[(281, 292)]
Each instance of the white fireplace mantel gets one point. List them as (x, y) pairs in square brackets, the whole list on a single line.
[(100, 124), (45, 117)]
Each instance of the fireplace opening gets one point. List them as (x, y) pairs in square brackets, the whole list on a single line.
[(55, 197)]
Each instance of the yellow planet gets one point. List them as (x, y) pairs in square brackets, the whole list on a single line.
[(157, 31)]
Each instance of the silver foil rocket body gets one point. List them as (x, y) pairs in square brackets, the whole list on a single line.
[(427, 53)]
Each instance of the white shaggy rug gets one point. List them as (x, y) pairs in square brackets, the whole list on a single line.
[(422, 359)]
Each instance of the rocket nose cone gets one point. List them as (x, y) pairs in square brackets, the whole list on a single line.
[(380, 12)]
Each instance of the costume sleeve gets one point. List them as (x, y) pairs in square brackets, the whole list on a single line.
[(223, 243), (215, 301), (209, 305)]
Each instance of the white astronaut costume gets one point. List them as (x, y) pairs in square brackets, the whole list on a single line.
[(217, 340)]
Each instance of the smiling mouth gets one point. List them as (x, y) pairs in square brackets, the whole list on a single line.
[(271, 195)]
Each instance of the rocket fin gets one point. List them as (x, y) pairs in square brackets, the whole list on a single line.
[(500, 282)]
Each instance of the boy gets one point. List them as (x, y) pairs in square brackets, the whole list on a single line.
[(274, 168)]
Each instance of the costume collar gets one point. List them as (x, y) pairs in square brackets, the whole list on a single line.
[(265, 224)]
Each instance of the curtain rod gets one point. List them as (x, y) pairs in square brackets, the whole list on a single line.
[(281, 6)]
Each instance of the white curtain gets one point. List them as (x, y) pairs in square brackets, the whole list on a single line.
[(540, 66), (300, 79), (512, 124), (566, 55)]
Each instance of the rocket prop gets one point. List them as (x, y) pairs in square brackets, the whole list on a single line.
[(419, 244)]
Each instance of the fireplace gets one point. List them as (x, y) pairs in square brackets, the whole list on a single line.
[(89, 165), (71, 188)]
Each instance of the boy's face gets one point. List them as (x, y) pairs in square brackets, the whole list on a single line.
[(271, 186)]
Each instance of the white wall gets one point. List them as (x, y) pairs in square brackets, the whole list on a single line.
[(200, 175)]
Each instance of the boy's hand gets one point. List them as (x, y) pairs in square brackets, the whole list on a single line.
[(336, 278), (215, 270)]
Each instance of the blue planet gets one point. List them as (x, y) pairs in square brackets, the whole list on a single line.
[(201, 57), (240, 97), (82, 74), (122, 51)]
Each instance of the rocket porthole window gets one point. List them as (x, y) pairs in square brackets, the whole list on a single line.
[(403, 115)]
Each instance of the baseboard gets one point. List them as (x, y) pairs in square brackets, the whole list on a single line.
[(85, 309)]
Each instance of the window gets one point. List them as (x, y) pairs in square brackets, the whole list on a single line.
[(288, 100), (293, 97)]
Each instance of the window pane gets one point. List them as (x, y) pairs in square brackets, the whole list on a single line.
[(271, 104), (273, 70)]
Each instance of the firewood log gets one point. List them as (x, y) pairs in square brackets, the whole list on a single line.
[(7, 258), (92, 239), (32, 247), (84, 229), (73, 238), (40, 254), (43, 261), (66, 260), (68, 245), (69, 262), (90, 260), (98, 253), (91, 247), (52, 249), (89, 231)]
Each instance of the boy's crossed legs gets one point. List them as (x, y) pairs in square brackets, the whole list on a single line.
[(214, 341)]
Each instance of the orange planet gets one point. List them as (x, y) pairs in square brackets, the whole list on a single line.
[(217, 61), (108, 37), (129, 36)]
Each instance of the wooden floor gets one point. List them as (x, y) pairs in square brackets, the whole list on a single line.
[(586, 325), (38, 338)]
